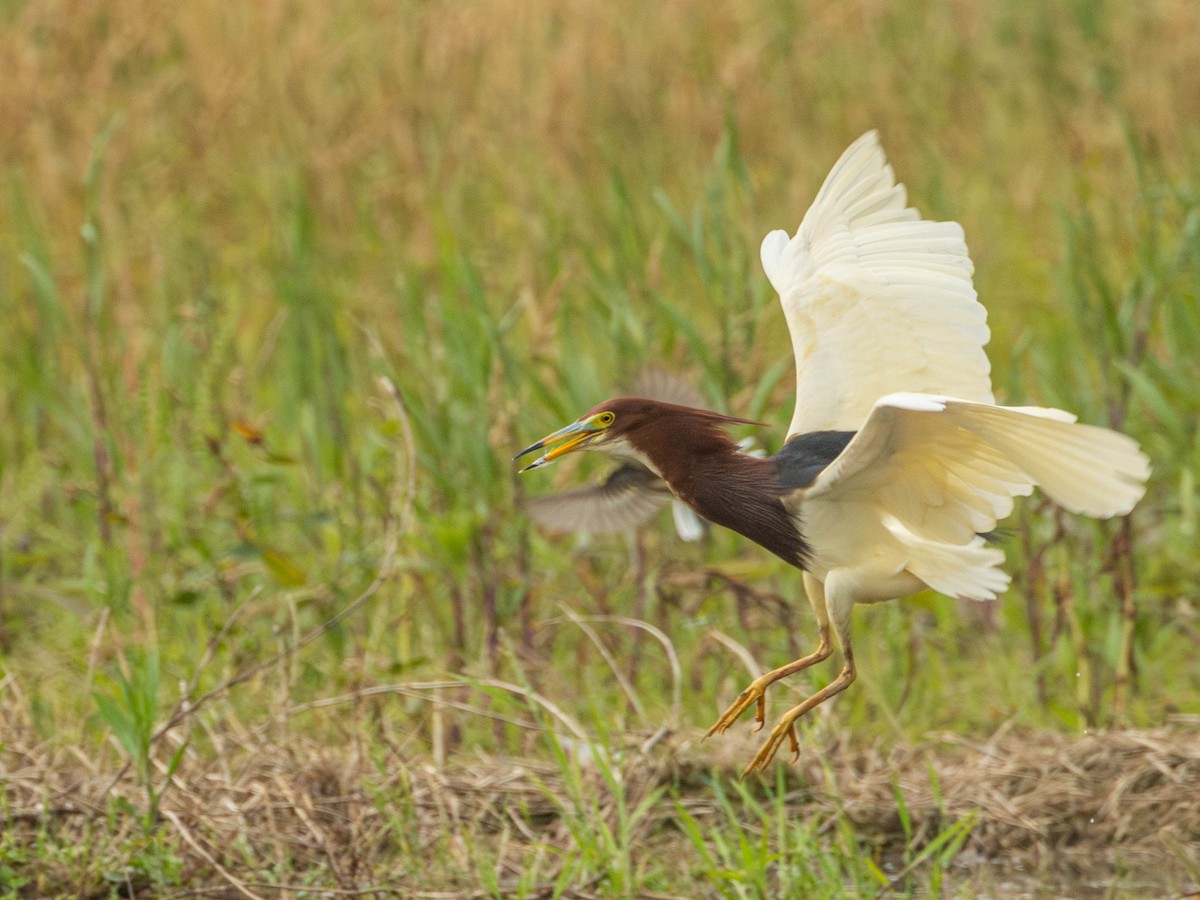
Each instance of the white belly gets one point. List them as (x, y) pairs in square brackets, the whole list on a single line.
[(883, 560)]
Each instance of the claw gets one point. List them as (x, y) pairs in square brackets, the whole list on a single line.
[(768, 750), (786, 726), (760, 714), (756, 693), (730, 715)]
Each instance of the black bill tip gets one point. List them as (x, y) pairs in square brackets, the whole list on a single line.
[(537, 446)]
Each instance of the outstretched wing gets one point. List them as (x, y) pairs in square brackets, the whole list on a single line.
[(926, 475), (626, 499), (947, 469), (876, 299)]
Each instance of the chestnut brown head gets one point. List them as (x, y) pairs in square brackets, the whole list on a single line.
[(632, 426)]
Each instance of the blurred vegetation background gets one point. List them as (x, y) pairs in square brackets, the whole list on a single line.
[(220, 225)]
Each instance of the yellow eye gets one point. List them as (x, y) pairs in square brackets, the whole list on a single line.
[(606, 419)]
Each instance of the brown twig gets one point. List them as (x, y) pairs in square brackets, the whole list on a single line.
[(1125, 581)]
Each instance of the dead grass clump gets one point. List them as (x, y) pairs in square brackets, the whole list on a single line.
[(292, 813), (1047, 801)]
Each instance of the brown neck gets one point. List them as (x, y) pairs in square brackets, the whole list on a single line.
[(705, 470)]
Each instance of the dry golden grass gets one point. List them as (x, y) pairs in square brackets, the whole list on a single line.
[(409, 118), (1050, 809), (295, 197)]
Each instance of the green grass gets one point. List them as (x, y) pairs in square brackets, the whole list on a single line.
[(221, 229)]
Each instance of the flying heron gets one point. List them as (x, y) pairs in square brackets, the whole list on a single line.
[(898, 459)]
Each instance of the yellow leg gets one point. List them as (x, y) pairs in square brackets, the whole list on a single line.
[(786, 727), (837, 597), (756, 692)]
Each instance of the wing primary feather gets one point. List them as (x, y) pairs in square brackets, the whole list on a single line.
[(876, 298)]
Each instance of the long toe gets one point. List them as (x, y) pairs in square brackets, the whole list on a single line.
[(786, 727), (767, 752), (754, 694)]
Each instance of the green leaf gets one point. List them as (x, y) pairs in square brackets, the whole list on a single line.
[(283, 569)]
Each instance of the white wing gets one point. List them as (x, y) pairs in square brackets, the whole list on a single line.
[(948, 469), (876, 299), (926, 475)]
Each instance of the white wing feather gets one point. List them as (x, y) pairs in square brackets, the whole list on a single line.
[(926, 475), (948, 469), (876, 299)]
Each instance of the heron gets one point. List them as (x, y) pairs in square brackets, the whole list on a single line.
[(898, 461)]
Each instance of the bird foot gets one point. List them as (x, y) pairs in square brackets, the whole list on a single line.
[(768, 750), (757, 691), (754, 694), (786, 727)]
